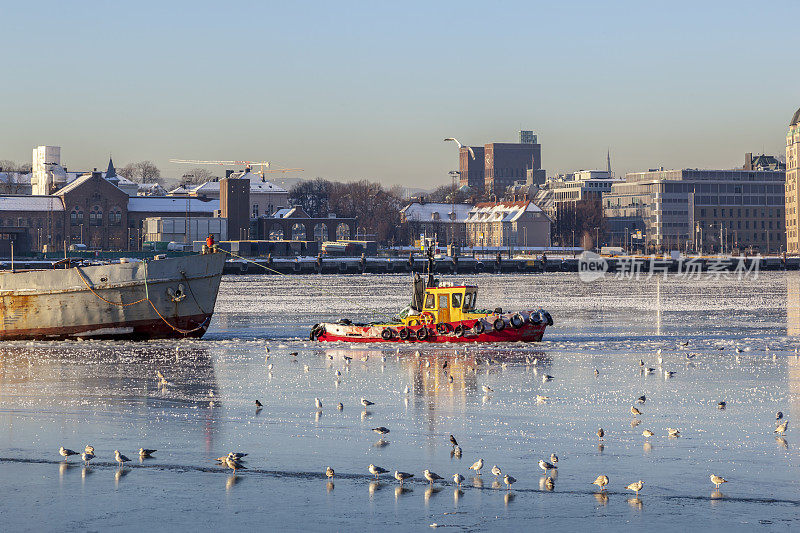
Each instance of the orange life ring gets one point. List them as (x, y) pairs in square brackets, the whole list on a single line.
[(427, 317)]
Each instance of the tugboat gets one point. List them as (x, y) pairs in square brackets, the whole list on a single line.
[(441, 312)]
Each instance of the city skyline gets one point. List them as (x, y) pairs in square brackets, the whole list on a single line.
[(369, 92)]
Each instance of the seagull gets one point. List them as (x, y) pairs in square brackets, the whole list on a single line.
[(382, 430), (431, 476), (258, 404), (457, 451), (636, 486), (722, 405), (596, 372), (553, 458), (306, 368), (402, 476), (366, 403), (641, 399), (600, 433), (601, 481), (340, 406), (541, 399), (718, 480), (546, 378), (89, 449), (66, 452), (476, 466), (293, 354), (376, 470), (233, 464), (496, 471), (647, 433), (469, 148), (237, 455), (782, 428), (86, 457), (544, 465), (458, 479), (407, 390), (669, 373), (778, 416), (453, 441), (673, 432), (145, 453), (329, 472), (509, 480), (318, 403), (121, 459), (641, 362), (635, 411), (487, 389)]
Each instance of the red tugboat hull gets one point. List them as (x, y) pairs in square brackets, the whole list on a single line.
[(463, 332)]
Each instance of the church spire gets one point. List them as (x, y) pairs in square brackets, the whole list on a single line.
[(111, 172), (608, 162)]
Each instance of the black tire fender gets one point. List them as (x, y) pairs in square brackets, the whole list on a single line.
[(499, 324), (422, 333), (404, 333), (478, 327), (386, 334), (517, 321)]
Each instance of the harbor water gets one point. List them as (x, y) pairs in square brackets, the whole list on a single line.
[(721, 339)]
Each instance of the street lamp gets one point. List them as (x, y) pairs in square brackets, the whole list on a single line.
[(81, 233), (573, 243)]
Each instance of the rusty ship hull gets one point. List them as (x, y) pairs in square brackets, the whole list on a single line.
[(164, 298)]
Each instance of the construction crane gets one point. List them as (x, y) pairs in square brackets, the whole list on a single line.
[(247, 164)]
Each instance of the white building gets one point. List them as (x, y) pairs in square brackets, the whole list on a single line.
[(265, 197), (47, 172), (508, 224)]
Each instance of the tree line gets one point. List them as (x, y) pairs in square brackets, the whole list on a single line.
[(375, 208)]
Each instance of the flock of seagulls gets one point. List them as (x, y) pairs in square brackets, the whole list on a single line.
[(235, 460), (88, 454)]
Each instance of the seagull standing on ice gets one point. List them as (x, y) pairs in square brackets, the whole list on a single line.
[(460, 146)]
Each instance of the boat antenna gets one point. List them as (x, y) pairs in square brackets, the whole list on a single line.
[(429, 253)]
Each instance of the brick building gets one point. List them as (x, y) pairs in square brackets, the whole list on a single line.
[(498, 166), (90, 210)]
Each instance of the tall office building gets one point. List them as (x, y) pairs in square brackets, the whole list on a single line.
[(792, 167), (497, 166)]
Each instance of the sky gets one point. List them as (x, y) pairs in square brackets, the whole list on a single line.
[(368, 90)]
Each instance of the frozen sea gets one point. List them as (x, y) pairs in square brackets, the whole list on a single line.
[(742, 336)]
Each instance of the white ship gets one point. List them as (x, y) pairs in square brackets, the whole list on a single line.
[(170, 297)]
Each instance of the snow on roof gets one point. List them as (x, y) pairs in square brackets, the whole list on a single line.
[(501, 212), (418, 212), (256, 186), (169, 204), (30, 203), (75, 184)]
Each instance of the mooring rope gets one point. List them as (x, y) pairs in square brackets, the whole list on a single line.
[(145, 299)]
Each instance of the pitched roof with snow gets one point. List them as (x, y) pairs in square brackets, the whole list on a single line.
[(502, 211), (417, 212), (169, 204), (30, 203)]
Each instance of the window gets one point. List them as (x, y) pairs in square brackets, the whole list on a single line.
[(96, 216), (255, 211), (430, 301), (442, 301), (469, 301), (115, 216), (76, 216), (456, 300)]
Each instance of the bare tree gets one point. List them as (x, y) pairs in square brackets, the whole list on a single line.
[(142, 172), (196, 176)]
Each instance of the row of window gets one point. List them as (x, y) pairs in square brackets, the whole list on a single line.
[(738, 212), (95, 216)]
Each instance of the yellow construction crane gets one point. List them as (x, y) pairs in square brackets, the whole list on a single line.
[(247, 164)]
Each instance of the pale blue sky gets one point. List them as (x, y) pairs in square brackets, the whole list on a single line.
[(368, 90)]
